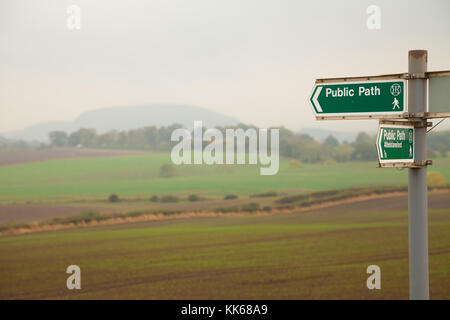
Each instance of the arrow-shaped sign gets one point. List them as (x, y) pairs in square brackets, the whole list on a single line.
[(361, 100)]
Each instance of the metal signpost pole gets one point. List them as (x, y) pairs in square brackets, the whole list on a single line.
[(417, 183)]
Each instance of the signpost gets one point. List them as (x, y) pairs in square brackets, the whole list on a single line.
[(395, 144), (359, 99), (417, 183), (399, 143)]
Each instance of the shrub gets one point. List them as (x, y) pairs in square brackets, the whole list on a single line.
[(286, 207), (154, 198), (167, 170), (226, 209), (113, 198), (292, 199), (294, 163), (329, 161), (267, 208), (435, 179), (250, 207), (230, 197), (327, 193), (135, 213), (169, 198), (88, 216), (169, 212), (13, 225), (193, 197), (264, 194)]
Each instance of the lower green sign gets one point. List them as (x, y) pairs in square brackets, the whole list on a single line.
[(395, 144)]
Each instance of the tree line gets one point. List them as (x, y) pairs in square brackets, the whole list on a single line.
[(293, 145)]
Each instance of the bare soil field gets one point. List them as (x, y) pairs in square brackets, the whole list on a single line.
[(27, 156)]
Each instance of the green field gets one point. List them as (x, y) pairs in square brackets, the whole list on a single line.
[(310, 255), (131, 176)]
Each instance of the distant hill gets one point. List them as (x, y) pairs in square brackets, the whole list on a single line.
[(125, 118)]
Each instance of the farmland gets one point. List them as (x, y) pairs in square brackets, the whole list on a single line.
[(315, 254), (309, 252), (138, 176)]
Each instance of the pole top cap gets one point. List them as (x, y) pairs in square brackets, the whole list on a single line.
[(418, 54)]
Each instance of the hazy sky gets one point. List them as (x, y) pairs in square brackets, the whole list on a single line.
[(253, 59)]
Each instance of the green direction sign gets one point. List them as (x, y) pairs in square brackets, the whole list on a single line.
[(362, 100), (395, 144)]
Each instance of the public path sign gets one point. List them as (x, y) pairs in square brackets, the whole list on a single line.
[(395, 144), (359, 100)]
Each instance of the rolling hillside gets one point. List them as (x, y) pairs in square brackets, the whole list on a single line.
[(125, 118)]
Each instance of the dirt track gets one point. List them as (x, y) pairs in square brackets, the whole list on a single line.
[(27, 156)]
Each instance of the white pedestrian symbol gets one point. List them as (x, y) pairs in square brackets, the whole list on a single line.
[(396, 103)]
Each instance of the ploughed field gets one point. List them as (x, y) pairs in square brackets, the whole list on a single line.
[(315, 254)]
